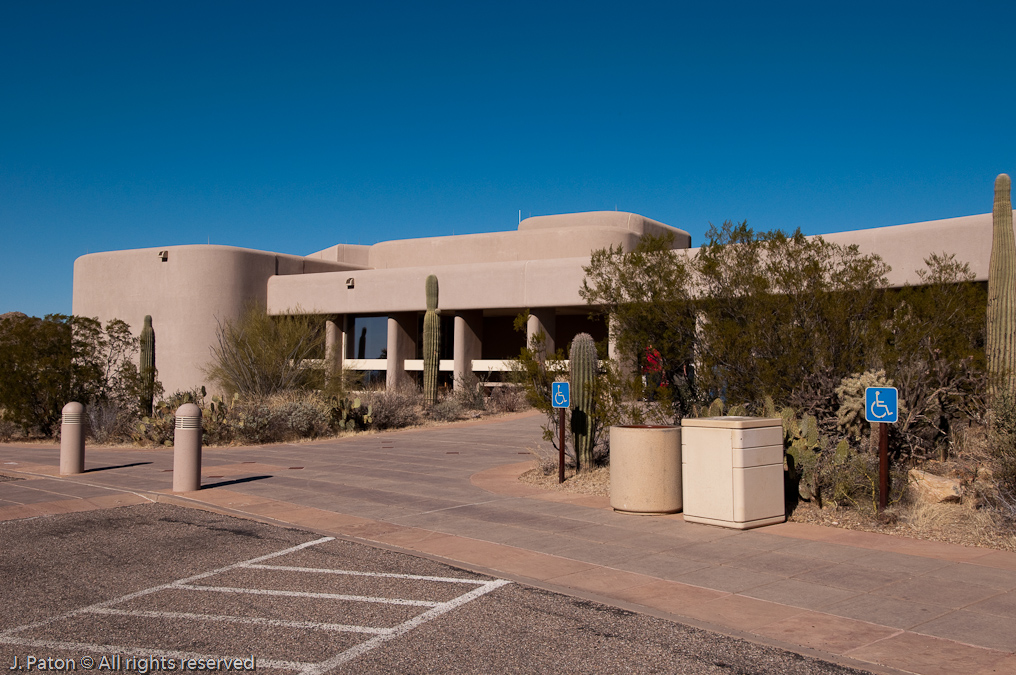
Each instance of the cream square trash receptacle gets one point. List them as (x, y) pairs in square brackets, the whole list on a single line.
[(733, 471)]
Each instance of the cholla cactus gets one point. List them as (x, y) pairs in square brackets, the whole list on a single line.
[(1001, 337), (431, 343), (147, 367), (583, 383), (850, 416)]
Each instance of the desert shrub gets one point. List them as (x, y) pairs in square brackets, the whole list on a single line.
[(853, 482), (934, 352), (507, 398), (283, 417), (52, 361), (850, 417), (1002, 446), (258, 355), (8, 430), (157, 429), (470, 392), (108, 420), (447, 410), (393, 408)]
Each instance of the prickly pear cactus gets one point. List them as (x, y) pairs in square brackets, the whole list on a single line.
[(147, 367), (583, 384), (349, 415), (1001, 337), (803, 446), (431, 343)]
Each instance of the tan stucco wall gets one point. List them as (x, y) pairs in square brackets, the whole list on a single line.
[(351, 256), (185, 296), (534, 283), (538, 238), (905, 247), (540, 265)]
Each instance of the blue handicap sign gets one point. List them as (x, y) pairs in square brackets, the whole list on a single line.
[(560, 394), (881, 404)]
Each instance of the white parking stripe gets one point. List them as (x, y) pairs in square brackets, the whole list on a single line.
[(381, 635), (402, 629), (306, 594), (386, 575), (316, 625), (156, 589)]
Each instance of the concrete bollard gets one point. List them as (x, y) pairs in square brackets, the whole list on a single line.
[(72, 439), (187, 449)]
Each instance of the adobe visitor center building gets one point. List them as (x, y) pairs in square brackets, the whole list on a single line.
[(372, 298)]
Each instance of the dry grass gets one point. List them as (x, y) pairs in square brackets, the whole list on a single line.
[(963, 524), (593, 482), (950, 523)]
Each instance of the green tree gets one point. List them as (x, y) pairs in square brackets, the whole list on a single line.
[(776, 308), (646, 295), (51, 361), (258, 355), (935, 353)]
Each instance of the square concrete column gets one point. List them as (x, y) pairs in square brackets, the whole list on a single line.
[(335, 344), (402, 329), (542, 319), (468, 345)]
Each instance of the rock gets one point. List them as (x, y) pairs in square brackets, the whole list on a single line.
[(932, 489)]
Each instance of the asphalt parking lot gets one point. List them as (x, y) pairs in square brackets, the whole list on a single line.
[(158, 588)]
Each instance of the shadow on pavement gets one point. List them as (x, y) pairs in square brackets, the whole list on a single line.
[(233, 482), (118, 466)]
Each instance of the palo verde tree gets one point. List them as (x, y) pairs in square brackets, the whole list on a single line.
[(646, 296), (257, 355), (776, 308)]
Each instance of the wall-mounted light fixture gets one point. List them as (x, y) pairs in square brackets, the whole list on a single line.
[(164, 255), (349, 282)]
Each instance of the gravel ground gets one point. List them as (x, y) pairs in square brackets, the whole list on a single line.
[(51, 566)]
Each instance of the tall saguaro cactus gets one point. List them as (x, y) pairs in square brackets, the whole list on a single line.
[(583, 384), (431, 343), (147, 367), (1001, 338)]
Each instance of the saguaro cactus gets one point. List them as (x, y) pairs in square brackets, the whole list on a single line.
[(431, 343), (147, 367), (1001, 337), (583, 383)]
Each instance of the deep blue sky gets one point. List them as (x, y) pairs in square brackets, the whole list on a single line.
[(294, 126)]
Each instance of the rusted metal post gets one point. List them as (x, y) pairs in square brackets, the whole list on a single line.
[(187, 449), (72, 439), (560, 447), (883, 465)]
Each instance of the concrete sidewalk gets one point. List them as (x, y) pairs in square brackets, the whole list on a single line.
[(881, 603)]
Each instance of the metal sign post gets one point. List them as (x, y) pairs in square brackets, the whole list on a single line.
[(881, 406), (560, 398)]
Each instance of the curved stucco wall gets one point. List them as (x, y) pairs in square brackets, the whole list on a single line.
[(569, 235), (618, 220), (186, 295)]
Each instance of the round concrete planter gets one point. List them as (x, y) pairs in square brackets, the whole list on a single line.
[(645, 469)]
